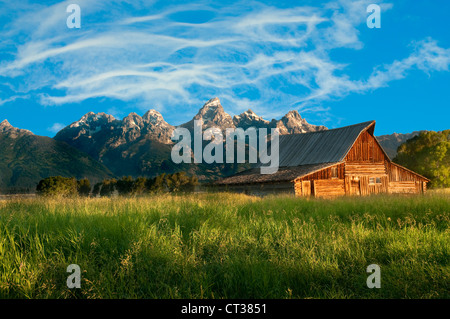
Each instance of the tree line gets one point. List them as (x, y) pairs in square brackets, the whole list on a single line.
[(126, 186)]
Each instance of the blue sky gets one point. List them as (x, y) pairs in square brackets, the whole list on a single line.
[(317, 57)]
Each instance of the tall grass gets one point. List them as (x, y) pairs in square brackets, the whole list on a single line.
[(226, 246)]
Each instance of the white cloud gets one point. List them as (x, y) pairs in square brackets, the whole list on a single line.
[(13, 98), (155, 60), (56, 127)]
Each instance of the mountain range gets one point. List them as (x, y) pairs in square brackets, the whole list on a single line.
[(139, 146), (99, 146)]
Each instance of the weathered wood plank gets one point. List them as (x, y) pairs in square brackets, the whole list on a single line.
[(332, 187), (408, 187), (372, 169)]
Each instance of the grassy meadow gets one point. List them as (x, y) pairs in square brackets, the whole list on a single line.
[(226, 246)]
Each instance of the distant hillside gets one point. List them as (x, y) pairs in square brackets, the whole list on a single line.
[(26, 158), (390, 143)]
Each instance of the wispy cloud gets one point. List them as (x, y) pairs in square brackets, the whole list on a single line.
[(13, 98), (156, 59), (56, 127)]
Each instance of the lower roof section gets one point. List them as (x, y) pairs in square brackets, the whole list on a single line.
[(284, 174)]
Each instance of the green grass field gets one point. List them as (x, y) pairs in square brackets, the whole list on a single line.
[(226, 246)]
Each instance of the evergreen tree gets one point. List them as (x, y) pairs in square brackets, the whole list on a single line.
[(125, 185), (96, 190), (84, 187)]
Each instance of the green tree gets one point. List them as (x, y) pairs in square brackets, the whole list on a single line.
[(139, 186), (176, 182), (125, 185), (193, 181), (157, 184), (84, 187), (108, 187), (57, 186), (429, 155)]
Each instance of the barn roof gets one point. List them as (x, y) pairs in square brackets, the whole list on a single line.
[(304, 153), (329, 146)]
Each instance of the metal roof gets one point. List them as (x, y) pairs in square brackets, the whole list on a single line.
[(284, 174), (304, 153), (329, 146)]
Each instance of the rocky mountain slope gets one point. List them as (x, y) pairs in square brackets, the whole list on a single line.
[(293, 123), (250, 119), (132, 146)]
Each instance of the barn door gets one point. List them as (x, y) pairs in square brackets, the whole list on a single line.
[(355, 187), (364, 185), (306, 188)]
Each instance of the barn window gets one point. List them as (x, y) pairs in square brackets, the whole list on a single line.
[(334, 172), (373, 180)]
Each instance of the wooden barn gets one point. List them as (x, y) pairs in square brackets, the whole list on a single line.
[(342, 161)]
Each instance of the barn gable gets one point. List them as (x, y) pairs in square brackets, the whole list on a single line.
[(366, 148), (329, 146)]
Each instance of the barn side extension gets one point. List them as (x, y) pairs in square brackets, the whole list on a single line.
[(342, 161)]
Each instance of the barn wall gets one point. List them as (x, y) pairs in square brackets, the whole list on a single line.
[(399, 174), (354, 178), (260, 189), (361, 169), (299, 190), (408, 187), (325, 188), (326, 173), (360, 178), (402, 180), (322, 183)]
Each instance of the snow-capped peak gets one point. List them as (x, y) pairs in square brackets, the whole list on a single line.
[(213, 102), (93, 119), (153, 117)]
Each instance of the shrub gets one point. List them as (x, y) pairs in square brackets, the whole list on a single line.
[(57, 186)]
